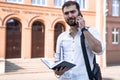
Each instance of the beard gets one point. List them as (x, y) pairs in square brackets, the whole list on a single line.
[(71, 22)]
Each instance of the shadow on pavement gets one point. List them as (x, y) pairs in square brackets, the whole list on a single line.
[(11, 67)]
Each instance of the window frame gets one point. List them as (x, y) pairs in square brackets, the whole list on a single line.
[(14, 1), (115, 35), (83, 2), (59, 3), (106, 33), (115, 7), (39, 2)]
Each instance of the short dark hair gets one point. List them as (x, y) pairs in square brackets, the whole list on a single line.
[(69, 3)]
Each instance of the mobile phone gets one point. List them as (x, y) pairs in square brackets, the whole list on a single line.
[(76, 21), (79, 14)]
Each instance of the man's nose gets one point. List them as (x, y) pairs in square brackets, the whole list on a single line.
[(70, 15)]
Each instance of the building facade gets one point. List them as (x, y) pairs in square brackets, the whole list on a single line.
[(113, 31), (29, 28)]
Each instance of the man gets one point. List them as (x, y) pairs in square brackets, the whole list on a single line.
[(70, 43)]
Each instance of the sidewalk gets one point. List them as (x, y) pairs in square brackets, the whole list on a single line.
[(29, 76), (109, 73)]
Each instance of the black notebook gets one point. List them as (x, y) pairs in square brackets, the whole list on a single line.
[(52, 65)]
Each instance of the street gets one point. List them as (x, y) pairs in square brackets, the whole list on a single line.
[(109, 73)]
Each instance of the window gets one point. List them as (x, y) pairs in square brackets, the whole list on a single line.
[(106, 33), (115, 35), (37, 26), (13, 24), (59, 3), (106, 7), (15, 1), (39, 2), (115, 7), (81, 3)]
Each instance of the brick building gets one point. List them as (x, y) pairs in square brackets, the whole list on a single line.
[(29, 28), (113, 31)]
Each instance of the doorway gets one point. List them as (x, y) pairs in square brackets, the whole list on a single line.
[(37, 39), (13, 39)]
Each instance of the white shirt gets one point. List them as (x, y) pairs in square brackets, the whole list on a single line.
[(69, 49)]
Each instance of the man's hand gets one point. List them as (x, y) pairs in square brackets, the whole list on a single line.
[(60, 71), (80, 21)]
